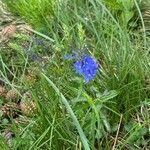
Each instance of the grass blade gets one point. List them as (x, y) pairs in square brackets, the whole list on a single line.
[(70, 111)]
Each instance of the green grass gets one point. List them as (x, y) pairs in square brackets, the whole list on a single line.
[(71, 114)]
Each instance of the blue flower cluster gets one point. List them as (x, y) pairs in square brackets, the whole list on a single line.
[(87, 67)]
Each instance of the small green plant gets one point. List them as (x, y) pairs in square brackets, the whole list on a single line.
[(123, 10)]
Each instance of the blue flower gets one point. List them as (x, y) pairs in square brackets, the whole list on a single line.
[(86, 67)]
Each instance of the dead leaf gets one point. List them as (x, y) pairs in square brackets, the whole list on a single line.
[(9, 31)]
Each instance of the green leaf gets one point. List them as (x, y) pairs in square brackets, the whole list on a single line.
[(107, 96)]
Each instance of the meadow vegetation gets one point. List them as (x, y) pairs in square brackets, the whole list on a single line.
[(46, 104)]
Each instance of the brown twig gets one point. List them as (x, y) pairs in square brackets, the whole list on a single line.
[(114, 145)]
